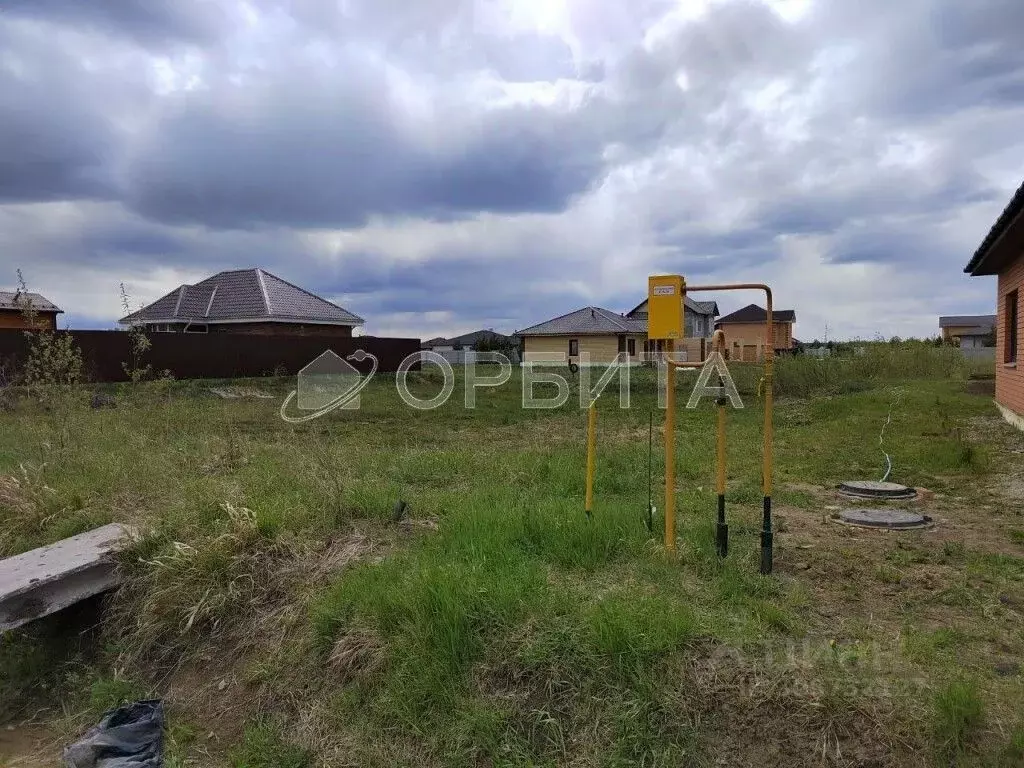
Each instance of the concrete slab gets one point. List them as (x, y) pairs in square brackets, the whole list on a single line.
[(45, 580)]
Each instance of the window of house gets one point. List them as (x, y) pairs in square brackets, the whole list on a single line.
[(574, 347), (631, 347), (197, 328), (1010, 352), (622, 342)]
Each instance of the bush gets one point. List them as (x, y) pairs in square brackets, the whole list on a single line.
[(802, 376)]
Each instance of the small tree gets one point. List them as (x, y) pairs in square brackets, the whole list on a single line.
[(138, 345), (492, 342), (54, 361), (53, 367)]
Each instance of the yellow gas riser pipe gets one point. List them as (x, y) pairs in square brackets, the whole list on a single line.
[(670, 451), (591, 457), (721, 528), (768, 465)]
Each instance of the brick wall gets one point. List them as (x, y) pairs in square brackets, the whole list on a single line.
[(749, 334), (1010, 378)]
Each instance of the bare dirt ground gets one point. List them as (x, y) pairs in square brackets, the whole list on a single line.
[(28, 746)]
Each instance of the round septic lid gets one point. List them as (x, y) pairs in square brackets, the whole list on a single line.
[(884, 518), (874, 489)]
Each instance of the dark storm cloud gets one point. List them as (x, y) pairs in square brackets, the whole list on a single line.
[(148, 21), (465, 285), (55, 144), (333, 153), (106, 238)]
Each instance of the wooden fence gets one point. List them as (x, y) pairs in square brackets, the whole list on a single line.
[(210, 356)]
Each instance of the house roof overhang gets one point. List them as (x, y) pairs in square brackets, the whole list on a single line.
[(1004, 243), (574, 334), (132, 321)]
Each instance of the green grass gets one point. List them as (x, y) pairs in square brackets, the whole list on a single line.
[(959, 711), (265, 746), (501, 626), (106, 693)]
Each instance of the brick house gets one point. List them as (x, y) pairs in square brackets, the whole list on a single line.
[(744, 331), (250, 301), (13, 314), (1001, 253)]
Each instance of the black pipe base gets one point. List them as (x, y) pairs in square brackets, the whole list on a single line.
[(722, 540), (766, 538), (766, 552)]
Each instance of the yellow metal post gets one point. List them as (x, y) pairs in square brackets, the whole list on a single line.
[(721, 529), (670, 450), (591, 456), (769, 466), (665, 322)]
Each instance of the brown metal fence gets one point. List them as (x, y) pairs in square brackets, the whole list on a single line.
[(211, 356)]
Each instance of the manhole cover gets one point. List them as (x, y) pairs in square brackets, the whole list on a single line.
[(884, 518), (873, 489)]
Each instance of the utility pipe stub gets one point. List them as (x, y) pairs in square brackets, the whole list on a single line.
[(892, 519), (874, 489)]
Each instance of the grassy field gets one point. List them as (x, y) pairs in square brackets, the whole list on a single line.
[(289, 621)]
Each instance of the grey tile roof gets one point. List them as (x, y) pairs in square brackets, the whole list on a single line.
[(588, 321), (755, 314), (469, 339), (242, 295), (947, 321), (12, 299), (700, 307)]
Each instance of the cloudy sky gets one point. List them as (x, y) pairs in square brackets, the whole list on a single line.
[(440, 166)]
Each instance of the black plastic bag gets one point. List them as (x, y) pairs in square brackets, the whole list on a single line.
[(131, 736)]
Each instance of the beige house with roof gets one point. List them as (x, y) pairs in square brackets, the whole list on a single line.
[(595, 335)]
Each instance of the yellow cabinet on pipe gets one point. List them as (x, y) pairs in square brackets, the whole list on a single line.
[(665, 306)]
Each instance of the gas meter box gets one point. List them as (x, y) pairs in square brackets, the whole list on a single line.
[(665, 306)]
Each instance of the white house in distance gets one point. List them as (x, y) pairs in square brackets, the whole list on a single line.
[(968, 331)]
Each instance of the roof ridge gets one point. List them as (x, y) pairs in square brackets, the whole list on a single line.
[(618, 323), (614, 317), (181, 294), (303, 290), (209, 304), (552, 319), (263, 290)]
